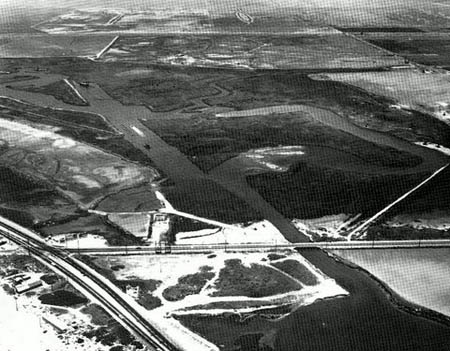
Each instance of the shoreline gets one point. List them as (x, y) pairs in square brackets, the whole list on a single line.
[(396, 299)]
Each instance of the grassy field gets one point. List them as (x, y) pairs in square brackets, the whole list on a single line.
[(297, 271), (385, 232), (168, 88), (424, 48), (326, 191), (137, 199), (98, 315), (209, 202), (210, 141), (323, 48), (92, 224), (62, 298), (14, 109), (60, 90), (235, 279), (29, 201), (422, 91), (146, 287), (81, 172), (188, 285), (39, 45), (365, 108)]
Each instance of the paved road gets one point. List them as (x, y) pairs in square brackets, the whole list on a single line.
[(269, 247), (96, 287)]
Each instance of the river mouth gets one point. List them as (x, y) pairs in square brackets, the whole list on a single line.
[(367, 319)]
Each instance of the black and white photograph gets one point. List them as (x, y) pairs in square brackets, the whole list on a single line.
[(224, 175)]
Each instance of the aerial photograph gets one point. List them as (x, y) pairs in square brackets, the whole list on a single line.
[(236, 175)]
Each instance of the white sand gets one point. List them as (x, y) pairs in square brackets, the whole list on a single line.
[(259, 232), (22, 330)]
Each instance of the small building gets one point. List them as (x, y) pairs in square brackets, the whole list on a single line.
[(28, 285), (159, 226), (63, 238)]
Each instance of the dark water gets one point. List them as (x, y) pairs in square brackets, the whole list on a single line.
[(364, 321)]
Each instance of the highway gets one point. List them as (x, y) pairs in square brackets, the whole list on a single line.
[(258, 247), (93, 285)]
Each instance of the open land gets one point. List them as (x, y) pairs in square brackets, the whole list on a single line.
[(92, 224), (412, 89), (332, 50), (43, 45), (61, 90), (325, 324), (261, 91), (217, 284), (307, 146), (81, 172), (426, 48)]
